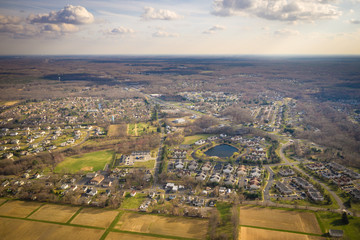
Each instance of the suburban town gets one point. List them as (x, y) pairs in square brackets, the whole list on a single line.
[(156, 155)]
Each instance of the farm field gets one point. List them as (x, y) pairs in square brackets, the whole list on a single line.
[(248, 233), (168, 226), (194, 138), (28, 230), (118, 130), (18, 208), (129, 236), (95, 217), (93, 161), (2, 200), (279, 219), (54, 213)]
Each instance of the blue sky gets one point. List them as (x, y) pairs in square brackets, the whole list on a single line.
[(180, 27)]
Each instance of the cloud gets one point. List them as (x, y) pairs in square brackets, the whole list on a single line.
[(160, 14), (54, 24), (121, 31), (214, 29), (163, 34), (76, 15), (280, 10), (355, 21), (286, 32)]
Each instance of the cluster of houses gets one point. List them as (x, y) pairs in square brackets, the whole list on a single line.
[(21, 142), (343, 177), (296, 183)]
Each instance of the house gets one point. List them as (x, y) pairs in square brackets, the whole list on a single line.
[(229, 180), (215, 178), (200, 142), (228, 169), (283, 188), (286, 172), (133, 193), (97, 179), (64, 186), (179, 120), (91, 174), (336, 233), (193, 165), (315, 194), (179, 164), (206, 166), (91, 191), (200, 176), (241, 170), (302, 183)]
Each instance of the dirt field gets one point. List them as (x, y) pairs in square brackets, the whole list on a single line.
[(12, 229), (10, 103), (54, 213), (262, 234), (279, 219), (171, 226), (95, 217), (125, 236), (18, 208), (117, 130), (2, 200)]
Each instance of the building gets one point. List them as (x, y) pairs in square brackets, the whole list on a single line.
[(97, 180), (283, 188)]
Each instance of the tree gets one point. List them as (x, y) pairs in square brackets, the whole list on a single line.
[(344, 218)]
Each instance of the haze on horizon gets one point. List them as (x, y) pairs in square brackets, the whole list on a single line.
[(281, 27)]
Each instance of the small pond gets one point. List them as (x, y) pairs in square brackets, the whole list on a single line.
[(221, 151)]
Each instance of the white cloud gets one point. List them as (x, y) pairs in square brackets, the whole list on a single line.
[(214, 29), (286, 32), (355, 21), (54, 24), (160, 14), (121, 31), (163, 34), (280, 10), (69, 14)]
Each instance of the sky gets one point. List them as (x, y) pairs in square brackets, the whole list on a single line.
[(180, 27)]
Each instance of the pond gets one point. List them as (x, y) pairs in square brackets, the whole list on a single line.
[(221, 151)]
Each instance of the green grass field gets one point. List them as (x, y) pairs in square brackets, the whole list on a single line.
[(132, 202), (96, 160), (330, 220), (138, 129), (194, 138)]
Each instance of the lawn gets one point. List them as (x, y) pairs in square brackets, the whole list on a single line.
[(94, 160), (194, 138), (330, 220), (225, 214), (133, 202)]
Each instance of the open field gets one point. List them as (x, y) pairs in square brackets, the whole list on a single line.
[(138, 129), (127, 236), (95, 217), (194, 138), (18, 208), (169, 226), (279, 219), (96, 160), (9, 103), (132, 202), (329, 220), (55, 213), (118, 130), (22, 229), (2, 200), (248, 233)]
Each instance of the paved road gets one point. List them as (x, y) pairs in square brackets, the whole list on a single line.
[(269, 184)]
